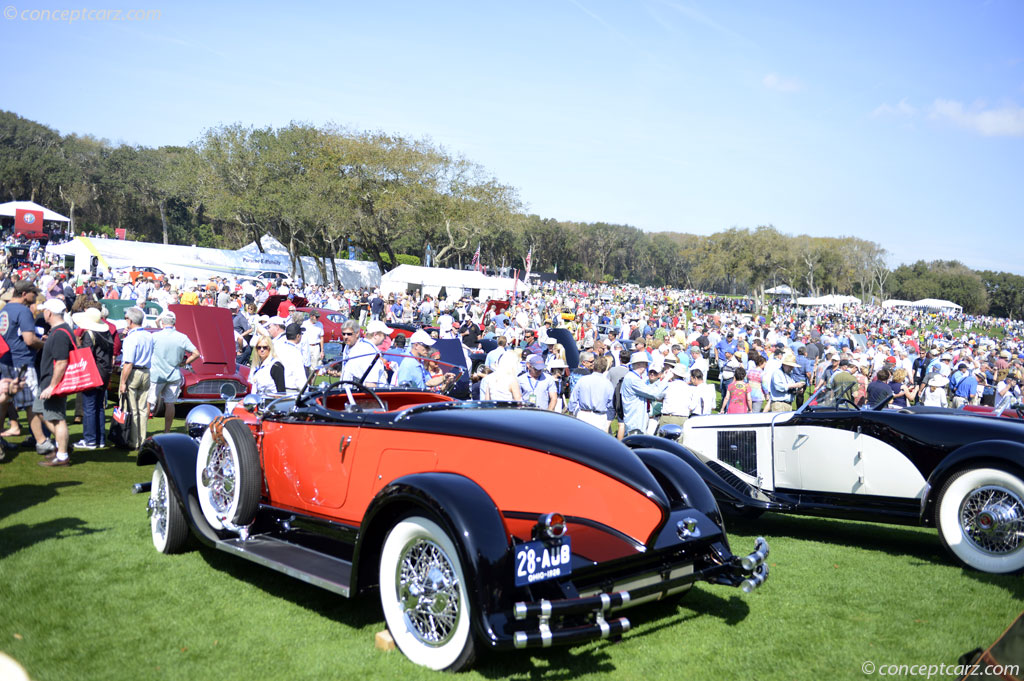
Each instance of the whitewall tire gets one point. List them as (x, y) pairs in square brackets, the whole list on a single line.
[(167, 522), (228, 477), (980, 518), (424, 597)]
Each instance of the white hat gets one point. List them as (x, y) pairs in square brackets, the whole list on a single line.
[(638, 357), (558, 364), (548, 340), (89, 319), (56, 306), (423, 337), (938, 381), (681, 371), (277, 320), (377, 326)]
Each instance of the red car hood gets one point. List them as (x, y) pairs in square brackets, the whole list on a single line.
[(210, 330)]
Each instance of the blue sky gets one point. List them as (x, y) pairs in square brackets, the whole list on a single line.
[(901, 122)]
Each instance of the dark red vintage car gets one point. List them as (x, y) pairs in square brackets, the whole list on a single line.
[(331, 320), (481, 525)]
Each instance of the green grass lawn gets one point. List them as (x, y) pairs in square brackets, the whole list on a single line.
[(83, 595)]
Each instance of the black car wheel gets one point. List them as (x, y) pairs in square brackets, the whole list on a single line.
[(166, 521), (980, 518), (423, 595), (228, 475)]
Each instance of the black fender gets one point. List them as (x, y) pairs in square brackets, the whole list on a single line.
[(1005, 454), (681, 482), (473, 522), (724, 491), (178, 453)]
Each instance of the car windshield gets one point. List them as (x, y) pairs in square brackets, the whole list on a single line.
[(382, 371), (830, 397)]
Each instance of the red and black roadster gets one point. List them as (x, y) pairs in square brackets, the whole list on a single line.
[(483, 525)]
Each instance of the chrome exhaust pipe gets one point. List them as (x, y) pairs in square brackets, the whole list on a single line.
[(755, 580), (750, 562)]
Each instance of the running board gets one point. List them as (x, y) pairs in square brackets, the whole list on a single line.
[(293, 560)]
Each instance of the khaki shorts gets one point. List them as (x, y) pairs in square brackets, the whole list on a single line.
[(168, 393)]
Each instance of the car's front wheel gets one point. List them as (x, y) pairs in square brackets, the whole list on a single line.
[(228, 474), (167, 523), (980, 518), (424, 597)]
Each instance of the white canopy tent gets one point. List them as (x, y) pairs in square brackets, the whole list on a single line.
[(893, 302), (832, 300), (936, 304), (11, 207), (781, 290), (457, 283), (351, 273)]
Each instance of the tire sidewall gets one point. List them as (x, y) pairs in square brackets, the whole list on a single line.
[(947, 519), (160, 541), (456, 650), (235, 513)]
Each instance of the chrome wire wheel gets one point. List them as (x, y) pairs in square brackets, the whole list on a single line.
[(429, 591), (992, 518), (219, 478), (424, 597), (980, 518)]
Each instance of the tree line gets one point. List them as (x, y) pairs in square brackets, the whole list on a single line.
[(321, 189)]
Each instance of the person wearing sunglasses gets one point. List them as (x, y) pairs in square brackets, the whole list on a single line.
[(361, 355), (266, 373)]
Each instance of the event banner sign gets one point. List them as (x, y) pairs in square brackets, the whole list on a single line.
[(28, 221), (121, 233)]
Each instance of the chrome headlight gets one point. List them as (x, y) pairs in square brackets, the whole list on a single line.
[(199, 418)]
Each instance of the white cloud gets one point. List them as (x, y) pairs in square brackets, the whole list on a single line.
[(903, 108), (1005, 122), (774, 81)]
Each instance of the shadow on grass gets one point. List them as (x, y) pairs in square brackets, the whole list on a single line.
[(17, 498), (17, 537), (894, 540), (353, 612)]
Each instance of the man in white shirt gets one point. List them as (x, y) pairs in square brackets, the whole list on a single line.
[(702, 399), (362, 358), (290, 355), (313, 336)]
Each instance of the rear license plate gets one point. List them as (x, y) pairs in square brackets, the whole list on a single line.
[(537, 561)]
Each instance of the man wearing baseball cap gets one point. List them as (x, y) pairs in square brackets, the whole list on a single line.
[(411, 373), (19, 331), (539, 388)]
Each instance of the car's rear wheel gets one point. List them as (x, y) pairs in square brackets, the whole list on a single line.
[(228, 474), (980, 518), (424, 597), (167, 522)]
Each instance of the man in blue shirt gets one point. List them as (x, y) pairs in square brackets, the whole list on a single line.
[(136, 357), (411, 373), (636, 391), (19, 330), (966, 386), (725, 345)]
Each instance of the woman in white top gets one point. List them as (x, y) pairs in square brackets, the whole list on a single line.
[(935, 393), (266, 374), (503, 384)]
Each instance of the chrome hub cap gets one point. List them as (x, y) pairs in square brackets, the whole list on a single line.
[(992, 518), (219, 478), (429, 592)]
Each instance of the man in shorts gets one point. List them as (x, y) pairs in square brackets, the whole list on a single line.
[(171, 349), (52, 364), (18, 327)]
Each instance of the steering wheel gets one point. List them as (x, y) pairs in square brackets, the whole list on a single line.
[(360, 387)]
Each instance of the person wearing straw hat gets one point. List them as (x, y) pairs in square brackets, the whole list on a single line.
[(96, 335), (781, 386), (636, 390), (935, 392)]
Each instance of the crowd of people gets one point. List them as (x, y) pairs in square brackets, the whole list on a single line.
[(646, 357)]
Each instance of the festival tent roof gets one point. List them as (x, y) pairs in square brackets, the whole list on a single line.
[(833, 300), (456, 282), (782, 290), (936, 304), (11, 207), (893, 302)]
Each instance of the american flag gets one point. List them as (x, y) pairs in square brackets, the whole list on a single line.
[(476, 258)]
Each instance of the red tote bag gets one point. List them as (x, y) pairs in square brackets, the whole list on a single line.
[(81, 374)]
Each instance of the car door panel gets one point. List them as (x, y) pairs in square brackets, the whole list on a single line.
[(308, 466)]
